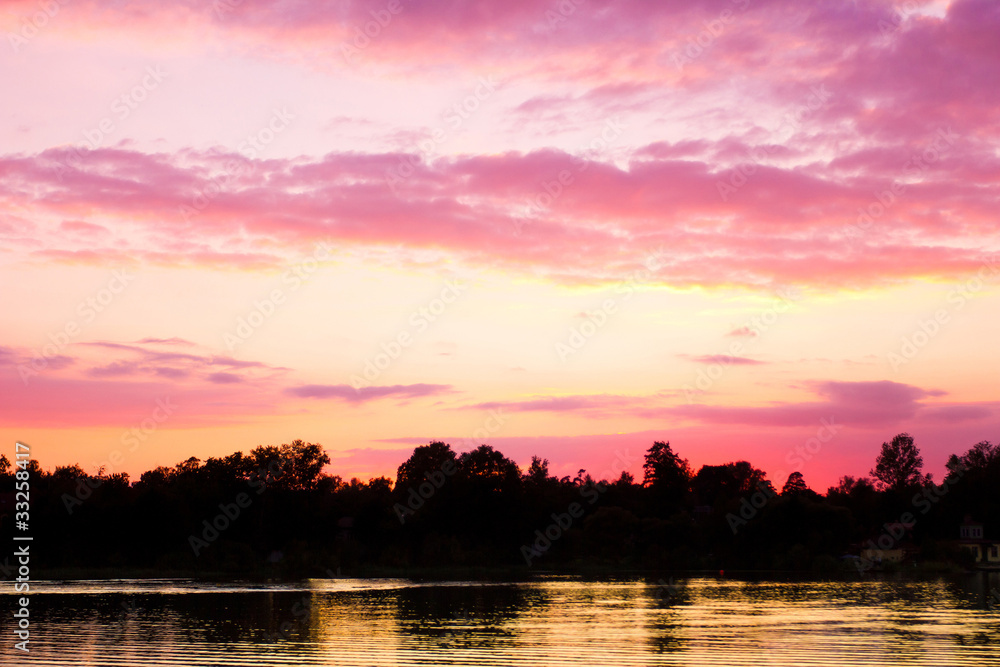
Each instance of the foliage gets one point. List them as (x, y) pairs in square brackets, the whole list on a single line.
[(479, 508), (899, 465)]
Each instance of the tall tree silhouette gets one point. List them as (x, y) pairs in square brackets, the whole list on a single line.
[(981, 456), (488, 469), (795, 485), (666, 474), (899, 465), (537, 473), (732, 481), (424, 461)]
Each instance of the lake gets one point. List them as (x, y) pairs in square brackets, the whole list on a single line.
[(553, 620)]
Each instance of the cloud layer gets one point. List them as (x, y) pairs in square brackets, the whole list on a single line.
[(602, 224)]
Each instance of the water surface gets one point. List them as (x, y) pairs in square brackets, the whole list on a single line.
[(552, 621)]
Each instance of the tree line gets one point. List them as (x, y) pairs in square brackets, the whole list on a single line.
[(277, 511)]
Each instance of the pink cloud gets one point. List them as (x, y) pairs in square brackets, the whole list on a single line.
[(349, 394), (788, 228), (723, 359), (113, 382), (83, 227), (882, 404), (213, 389), (164, 341), (224, 378), (743, 332), (953, 414), (114, 369), (595, 405)]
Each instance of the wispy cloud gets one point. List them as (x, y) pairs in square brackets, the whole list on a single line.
[(349, 394), (721, 359)]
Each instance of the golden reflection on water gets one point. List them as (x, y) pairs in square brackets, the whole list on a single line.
[(556, 621)]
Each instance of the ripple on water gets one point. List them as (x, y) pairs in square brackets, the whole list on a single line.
[(697, 622)]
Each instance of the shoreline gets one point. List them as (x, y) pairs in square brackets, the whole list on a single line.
[(505, 574)]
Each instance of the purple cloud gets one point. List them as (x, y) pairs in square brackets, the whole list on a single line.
[(348, 393)]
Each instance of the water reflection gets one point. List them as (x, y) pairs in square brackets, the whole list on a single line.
[(466, 617), (557, 621)]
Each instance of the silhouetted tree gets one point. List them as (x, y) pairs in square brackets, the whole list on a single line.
[(732, 481), (665, 468), (667, 475), (229, 469), (484, 512), (191, 466), (69, 473), (981, 456), (425, 460), (380, 486), (489, 469), (898, 467), (795, 485), (293, 466), (850, 486), (625, 479), (538, 471), (304, 463), (156, 478)]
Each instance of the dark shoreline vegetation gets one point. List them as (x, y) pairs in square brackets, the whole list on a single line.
[(274, 513)]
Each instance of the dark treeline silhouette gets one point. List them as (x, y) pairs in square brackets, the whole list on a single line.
[(274, 511)]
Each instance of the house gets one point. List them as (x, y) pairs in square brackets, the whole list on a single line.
[(985, 553), (881, 556), (893, 545), (970, 530)]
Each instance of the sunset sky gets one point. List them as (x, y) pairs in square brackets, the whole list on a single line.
[(561, 228)]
